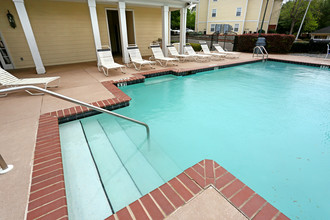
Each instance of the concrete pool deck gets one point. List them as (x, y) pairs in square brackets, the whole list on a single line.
[(20, 115)]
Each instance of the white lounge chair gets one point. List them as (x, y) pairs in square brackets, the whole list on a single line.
[(105, 61), (8, 80), (198, 57), (136, 58), (174, 53), (328, 51), (229, 54), (206, 50), (159, 56)]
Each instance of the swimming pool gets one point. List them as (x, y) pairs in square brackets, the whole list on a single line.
[(266, 123)]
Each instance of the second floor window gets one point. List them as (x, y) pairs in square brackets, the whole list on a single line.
[(238, 11), (214, 12)]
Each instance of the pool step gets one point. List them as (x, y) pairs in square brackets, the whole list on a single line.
[(118, 183), (85, 196), (143, 174)]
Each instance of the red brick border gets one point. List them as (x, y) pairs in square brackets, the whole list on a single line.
[(164, 200), (47, 199)]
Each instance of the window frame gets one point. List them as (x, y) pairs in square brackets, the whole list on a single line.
[(238, 11), (214, 12), (235, 27), (212, 25)]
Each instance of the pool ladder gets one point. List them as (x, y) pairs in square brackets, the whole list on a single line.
[(260, 50)]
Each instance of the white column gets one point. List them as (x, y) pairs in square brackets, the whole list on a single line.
[(23, 17), (95, 24), (123, 30), (165, 29), (169, 29), (183, 25)]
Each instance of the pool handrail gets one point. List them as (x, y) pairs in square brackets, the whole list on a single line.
[(263, 51), (57, 95)]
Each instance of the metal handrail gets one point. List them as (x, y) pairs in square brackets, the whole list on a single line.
[(261, 49), (76, 102)]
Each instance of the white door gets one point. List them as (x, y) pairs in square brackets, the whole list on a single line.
[(5, 61)]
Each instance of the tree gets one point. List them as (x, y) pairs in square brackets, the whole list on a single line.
[(175, 19), (292, 13), (324, 20)]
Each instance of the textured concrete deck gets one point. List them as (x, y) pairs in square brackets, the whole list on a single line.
[(20, 115)]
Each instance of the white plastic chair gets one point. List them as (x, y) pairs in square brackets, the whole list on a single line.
[(136, 58), (159, 56), (8, 80), (105, 61), (206, 50), (175, 53), (229, 54), (198, 57)]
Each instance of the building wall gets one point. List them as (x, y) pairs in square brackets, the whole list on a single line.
[(63, 31), (226, 14), (276, 12)]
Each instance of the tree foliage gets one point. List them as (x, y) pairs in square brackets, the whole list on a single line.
[(324, 20), (292, 13), (175, 19)]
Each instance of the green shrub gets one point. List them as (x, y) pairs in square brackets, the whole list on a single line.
[(275, 43), (300, 47), (197, 47)]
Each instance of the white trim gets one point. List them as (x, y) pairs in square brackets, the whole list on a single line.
[(262, 2), (123, 30), (24, 18), (197, 26), (95, 24), (246, 7), (226, 21), (165, 24), (169, 23), (183, 26), (207, 16)]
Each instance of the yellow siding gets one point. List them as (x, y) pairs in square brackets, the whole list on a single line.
[(226, 10), (276, 12), (14, 38), (253, 10), (148, 27)]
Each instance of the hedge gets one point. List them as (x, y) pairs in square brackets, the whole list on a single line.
[(300, 47), (197, 47), (275, 43)]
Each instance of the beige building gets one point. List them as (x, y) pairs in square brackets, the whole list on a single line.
[(245, 16), (52, 32)]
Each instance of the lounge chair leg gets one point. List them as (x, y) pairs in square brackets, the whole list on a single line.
[(3, 95), (31, 93)]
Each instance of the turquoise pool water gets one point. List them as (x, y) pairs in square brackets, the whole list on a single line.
[(266, 123)]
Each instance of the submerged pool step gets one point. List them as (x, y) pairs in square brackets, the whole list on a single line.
[(85, 196), (143, 174), (119, 186)]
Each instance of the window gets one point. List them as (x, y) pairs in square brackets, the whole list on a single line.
[(236, 27), (215, 0), (238, 11), (212, 27), (214, 12)]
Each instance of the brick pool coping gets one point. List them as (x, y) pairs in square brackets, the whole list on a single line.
[(47, 199)]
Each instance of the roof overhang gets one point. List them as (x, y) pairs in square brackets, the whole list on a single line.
[(149, 3)]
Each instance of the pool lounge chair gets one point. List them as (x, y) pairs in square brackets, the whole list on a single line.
[(174, 53), (198, 57), (228, 54), (159, 56), (136, 58), (105, 61), (206, 50), (8, 80)]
